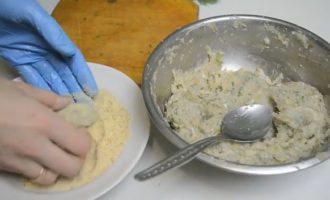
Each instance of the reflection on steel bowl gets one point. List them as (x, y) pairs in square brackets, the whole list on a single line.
[(277, 47)]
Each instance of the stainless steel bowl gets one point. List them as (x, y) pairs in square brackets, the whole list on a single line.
[(245, 41)]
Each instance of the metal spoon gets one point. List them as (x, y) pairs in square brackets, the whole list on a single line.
[(245, 124)]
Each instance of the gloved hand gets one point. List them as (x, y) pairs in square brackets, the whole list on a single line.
[(36, 46), (33, 137)]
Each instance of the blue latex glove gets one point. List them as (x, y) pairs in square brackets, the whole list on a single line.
[(37, 47)]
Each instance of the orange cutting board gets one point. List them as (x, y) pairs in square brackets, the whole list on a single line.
[(122, 33)]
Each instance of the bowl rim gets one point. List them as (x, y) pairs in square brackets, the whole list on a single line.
[(163, 127)]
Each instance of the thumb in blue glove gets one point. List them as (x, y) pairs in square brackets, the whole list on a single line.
[(37, 47)]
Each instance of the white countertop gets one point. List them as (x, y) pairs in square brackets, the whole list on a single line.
[(197, 181)]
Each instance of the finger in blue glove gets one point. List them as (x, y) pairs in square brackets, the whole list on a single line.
[(42, 53)]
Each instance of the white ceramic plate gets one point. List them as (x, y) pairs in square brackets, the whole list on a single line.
[(129, 94)]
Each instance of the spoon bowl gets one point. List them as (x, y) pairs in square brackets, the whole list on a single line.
[(247, 123)]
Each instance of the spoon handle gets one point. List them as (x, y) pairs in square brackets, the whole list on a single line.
[(178, 159)]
